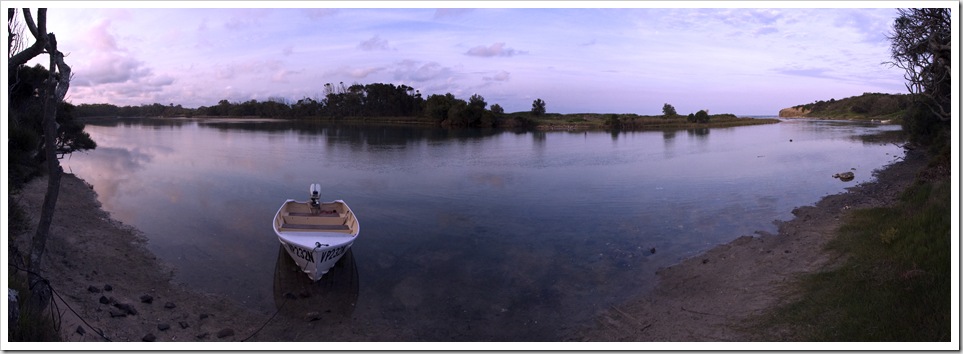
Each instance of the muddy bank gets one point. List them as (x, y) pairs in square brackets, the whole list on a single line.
[(103, 271), (711, 296)]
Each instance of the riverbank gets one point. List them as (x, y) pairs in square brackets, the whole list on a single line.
[(716, 296), (102, 270), (706, 298)]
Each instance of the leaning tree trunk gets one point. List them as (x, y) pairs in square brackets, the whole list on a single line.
[(58, 82)]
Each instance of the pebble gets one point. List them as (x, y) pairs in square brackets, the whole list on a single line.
[(163, 326), (104, 300), (203, 335), (149, 337), (107, 287), (93, 289), (80, 330), (312, 316), (225, 333), (204, 315), (116, 313), (183, 324), (169, 305), (147, 299)]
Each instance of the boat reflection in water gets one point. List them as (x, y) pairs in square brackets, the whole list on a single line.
[(330, 299)]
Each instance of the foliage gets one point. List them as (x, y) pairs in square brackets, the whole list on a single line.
[(869, 105), (497, 110), (668, 111), (920, 45), (701, 117), (538, 107), (25, 121)]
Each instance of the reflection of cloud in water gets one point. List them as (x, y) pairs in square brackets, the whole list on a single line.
[(107, 167)]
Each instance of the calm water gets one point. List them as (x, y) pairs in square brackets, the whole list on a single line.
[(466, 235)]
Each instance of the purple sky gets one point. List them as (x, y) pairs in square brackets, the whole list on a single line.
[(601, 60)]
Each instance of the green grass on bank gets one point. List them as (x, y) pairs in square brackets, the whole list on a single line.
[(895, 283)]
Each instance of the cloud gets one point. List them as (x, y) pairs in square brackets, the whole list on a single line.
[(99, 38), (765, 30), (442, 13), (495, 50), (375, 43), (354, 73), (410, 70), (315, 14), (499, 76), (809, 72)]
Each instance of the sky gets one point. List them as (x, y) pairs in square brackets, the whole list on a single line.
[(589, 57)]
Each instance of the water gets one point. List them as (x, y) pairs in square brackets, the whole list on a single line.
[(465, 234)]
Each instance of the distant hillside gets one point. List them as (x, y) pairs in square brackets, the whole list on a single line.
[(865, 107)]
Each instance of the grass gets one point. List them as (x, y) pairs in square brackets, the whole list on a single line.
[(895, 283)]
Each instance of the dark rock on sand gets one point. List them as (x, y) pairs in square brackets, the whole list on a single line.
[(147, 299), (225, 333), (163, 326), (149, 337)]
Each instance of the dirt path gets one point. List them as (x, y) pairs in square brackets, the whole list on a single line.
[(103, 271), (709, 297)]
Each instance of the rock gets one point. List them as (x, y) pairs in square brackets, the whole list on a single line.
[(93, 289), (183, 324), (147, 299), (127, 308), (118, 313), (845, 176), (312, 316), (169, 305), (149, 337), (104, 300), (652, 250), (203, 335), (163, 326), (107, 287), (80, 330), (225, 333), (204, 315)]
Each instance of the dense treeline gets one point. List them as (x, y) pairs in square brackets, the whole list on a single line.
[(25, 124), (341, 102)]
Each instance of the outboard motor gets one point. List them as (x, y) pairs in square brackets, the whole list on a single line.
[(316, 198)]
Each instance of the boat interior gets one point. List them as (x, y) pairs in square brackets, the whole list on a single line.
[(330, 217)]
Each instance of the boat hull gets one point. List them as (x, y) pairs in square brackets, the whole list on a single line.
[(316, 239)]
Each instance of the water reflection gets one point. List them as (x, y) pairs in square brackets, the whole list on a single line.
[(331, 299)]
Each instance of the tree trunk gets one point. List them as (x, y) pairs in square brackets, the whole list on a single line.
[(57, 83)]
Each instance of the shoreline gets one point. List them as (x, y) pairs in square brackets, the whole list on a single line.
[(714, 296), (704, 298)]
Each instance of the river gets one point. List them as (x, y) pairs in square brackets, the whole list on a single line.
[(465, 234)]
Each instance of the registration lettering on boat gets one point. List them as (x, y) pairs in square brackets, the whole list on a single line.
[(332, 253), (300, 252)]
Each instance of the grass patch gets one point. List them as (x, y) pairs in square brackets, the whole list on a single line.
[(895, 283)]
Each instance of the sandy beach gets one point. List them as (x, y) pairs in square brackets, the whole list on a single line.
[(102, 269)]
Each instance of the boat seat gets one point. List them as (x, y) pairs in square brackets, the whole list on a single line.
[(332, 215), (315, 227)]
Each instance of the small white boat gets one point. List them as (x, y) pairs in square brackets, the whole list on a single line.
[(316, 234)]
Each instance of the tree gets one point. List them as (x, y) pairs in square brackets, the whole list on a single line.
[(538, 107), (921, 47), (702, 116), (668, 111), (496, 109), (57, 83)]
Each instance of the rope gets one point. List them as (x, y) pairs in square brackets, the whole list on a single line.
[(54, 291), (268, 320)]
